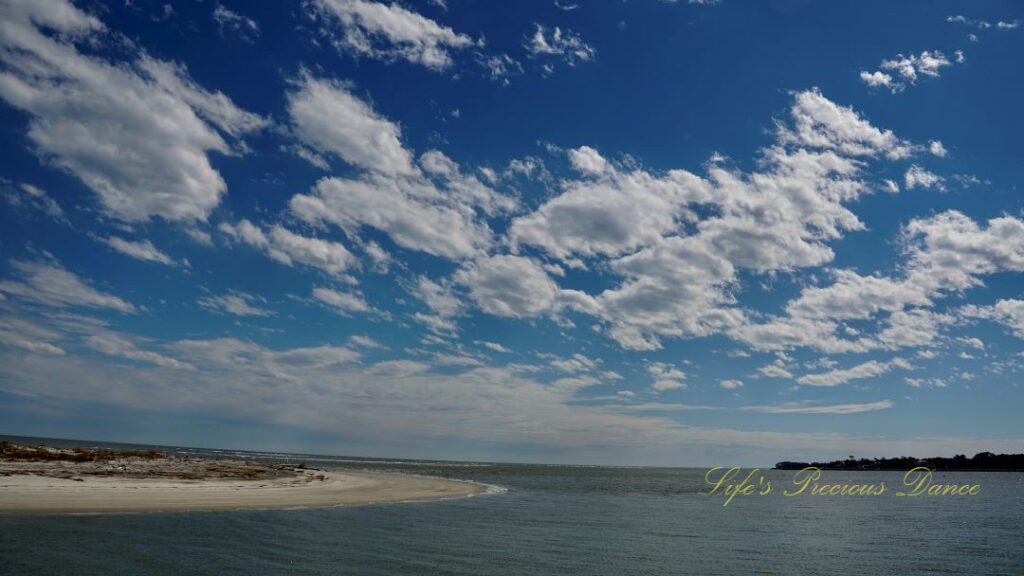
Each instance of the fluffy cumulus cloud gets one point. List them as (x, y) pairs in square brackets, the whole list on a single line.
[(431, 207), (902, 71), (678, 240), (876, 79), (509, 286), (609, 212), (137, 133), (918, 177), (330, 119), (413, 212), (389, 32), (820, 123), (1009, 312), (944, 254), (290, 248)]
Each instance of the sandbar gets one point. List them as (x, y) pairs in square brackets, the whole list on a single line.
[(132, 485)]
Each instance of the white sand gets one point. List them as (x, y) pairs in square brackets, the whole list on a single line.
[(30, 494)]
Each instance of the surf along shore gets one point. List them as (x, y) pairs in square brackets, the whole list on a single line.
[(46, 480)]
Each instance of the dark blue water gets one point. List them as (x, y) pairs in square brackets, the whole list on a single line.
[(553, 520)]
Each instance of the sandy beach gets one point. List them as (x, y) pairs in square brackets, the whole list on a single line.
[(128, 485)]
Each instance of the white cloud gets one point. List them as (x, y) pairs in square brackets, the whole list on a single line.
[(142, 250), (853, 296), (133, 132), (944, 254), (567, 45), (928, 63), (577, 363), (868, 369), (47, 282), (511, 286), (115, 345), (438, 212), (730, 384), (366, 342), (797, 408), (28, 336), (456, 360), (290, 248), (200, 236), (678, 268), (975, 343), (949, 250), (1008, 25), (961, 19), (241, 26), (322, 389), (821, 123), (440, 298), (666, 377), (500, 68), (390, 32), (876, 79), (936, 148), (341, 302), (665, 384), (909, 69), (916, 177), (776, 370), (611, 212), (493, 346), (33, 198), (414, 213), (237, 303), (328, 118), (1009, 312)]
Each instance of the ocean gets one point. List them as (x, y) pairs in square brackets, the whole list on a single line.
[(547, 520)]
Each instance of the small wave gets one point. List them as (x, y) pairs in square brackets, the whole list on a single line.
[(493, 488)]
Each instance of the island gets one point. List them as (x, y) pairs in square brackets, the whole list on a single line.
[(47, 480), (981, 462)]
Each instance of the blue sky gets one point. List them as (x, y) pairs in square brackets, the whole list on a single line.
[(638, 232)]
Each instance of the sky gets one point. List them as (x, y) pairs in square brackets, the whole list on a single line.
[(633, 233)]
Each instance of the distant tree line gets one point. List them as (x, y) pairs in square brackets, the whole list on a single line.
[(980, 461)]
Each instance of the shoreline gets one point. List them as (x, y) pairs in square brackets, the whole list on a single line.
[(31, 495), (45, 481)]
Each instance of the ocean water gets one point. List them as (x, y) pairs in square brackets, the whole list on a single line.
[(541, 520)]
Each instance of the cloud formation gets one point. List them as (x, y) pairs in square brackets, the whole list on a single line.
[(87, 114), (389, 32)]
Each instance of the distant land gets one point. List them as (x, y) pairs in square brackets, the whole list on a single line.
[(983, 461)]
